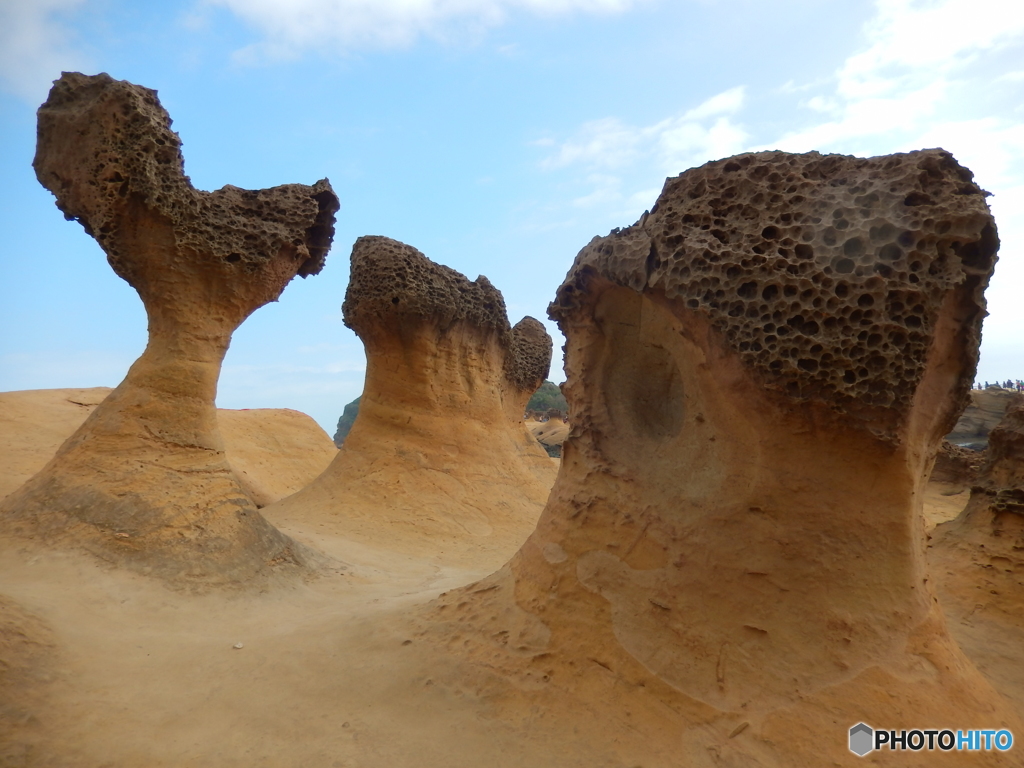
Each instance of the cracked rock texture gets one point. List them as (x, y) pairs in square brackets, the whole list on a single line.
[(438, 461), (144, 481), (979, 559), (760, 372)]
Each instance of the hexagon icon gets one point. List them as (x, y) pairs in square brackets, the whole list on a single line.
[(862, 739)]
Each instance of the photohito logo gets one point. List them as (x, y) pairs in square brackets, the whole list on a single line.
[(865, 739)]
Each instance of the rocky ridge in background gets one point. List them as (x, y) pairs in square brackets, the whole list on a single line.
[(983, 413)]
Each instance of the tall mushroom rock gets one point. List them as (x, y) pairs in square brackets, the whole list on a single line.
[(144, 480), (438, 456), (760, 371)]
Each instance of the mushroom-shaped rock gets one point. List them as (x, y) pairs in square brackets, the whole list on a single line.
[(144, 480), (760, 371), (978, 559), (438, 461)]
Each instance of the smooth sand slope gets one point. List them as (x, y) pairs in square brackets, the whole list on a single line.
[(273, 452)]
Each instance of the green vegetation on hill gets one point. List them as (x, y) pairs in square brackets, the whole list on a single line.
[(348, 417), (548, 396)]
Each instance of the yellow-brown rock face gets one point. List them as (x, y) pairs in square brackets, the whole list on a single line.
[(978, 560), (438, 459), (759, 373), (273, 452), (144, 481)]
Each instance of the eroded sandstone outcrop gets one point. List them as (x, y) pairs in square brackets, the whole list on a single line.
[(144, 481), (438, 458), (979, 559), (984, 411), (760, 371)]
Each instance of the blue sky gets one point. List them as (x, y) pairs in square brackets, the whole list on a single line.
[(497, 136)]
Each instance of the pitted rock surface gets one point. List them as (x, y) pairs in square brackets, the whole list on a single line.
[(529, 355), (389, 279), (824, 272), (106, 150)]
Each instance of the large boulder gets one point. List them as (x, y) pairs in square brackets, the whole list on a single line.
[(760, 371), (144, 481)]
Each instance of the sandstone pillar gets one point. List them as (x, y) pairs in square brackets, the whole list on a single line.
[(759, 372), (144, 481), (438, 459)]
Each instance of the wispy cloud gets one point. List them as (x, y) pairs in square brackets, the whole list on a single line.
[(35, 46), (702, 133), (291, 27), (609, 151), (910, 75)]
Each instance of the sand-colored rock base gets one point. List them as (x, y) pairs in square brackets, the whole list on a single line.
[(273, 452), (438, 464), (733, 550), (144, 482)]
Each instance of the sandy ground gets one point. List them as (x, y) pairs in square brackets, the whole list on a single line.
[(329, 673), (108, 668), (143, 675)]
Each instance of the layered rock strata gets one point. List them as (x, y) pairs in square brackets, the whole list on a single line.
[(760, 371), (144, 480), (979, 559), (438, 460)]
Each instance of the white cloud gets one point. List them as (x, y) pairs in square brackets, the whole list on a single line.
[(607, 189), (727, 103), (929, 38), (293, 26), (601, 147), (673, 144), (604, 143), (915, 74), (35, 47)]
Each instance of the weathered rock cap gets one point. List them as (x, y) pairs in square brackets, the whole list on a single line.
[(389, 280), (825, 273), (529, 356), (106, 150)]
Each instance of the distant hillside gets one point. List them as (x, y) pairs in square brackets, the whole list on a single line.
[(348, 417), (548, 396)]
